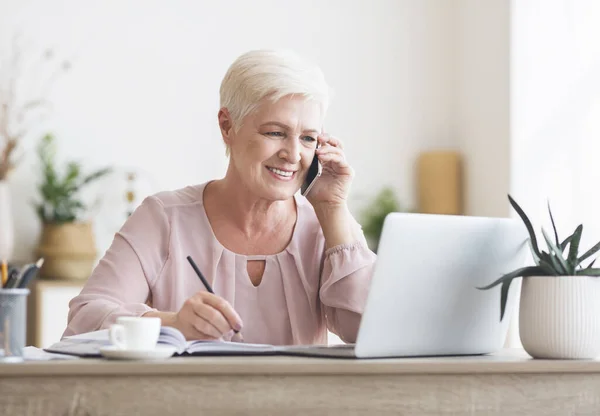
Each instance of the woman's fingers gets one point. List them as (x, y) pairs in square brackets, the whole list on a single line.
[(330, 140), (323, 150), (233, 319), (208, 316), (212, 316), (334, 158), (330, 153), (205, 327), (192, 325)]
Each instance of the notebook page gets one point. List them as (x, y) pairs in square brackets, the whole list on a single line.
[(226, 347)]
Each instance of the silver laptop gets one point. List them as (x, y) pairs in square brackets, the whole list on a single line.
[(424, 300)]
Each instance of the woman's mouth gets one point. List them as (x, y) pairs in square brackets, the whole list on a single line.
[(284, 175)]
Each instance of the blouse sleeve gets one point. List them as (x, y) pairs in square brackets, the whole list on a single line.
[(120, 285), (345, 281)]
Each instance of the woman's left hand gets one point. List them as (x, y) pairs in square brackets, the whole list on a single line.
[(332, 188)]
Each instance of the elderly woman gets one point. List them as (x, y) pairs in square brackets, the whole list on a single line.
[(284, 268)]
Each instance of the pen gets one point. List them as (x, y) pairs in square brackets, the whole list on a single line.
[(29, 274), (12, 278), (201, 276)]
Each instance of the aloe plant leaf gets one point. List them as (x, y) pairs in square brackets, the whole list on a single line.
[(589, 272), (589, 266), (589, 253), (553, 226), (547, 266), (558, 258), (506, 280), (504, 297), (554, 267), (522, 272), (535, 255), (566, 241), (546, 263), (527, 224), (574, 249)]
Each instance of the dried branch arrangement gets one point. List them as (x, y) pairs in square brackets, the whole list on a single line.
[(24, 87)]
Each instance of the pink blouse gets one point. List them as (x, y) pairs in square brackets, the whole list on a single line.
[(304, 291)]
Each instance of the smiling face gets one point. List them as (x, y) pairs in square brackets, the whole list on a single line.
[(274, 147)]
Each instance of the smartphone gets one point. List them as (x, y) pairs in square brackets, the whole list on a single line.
[(313, 174)]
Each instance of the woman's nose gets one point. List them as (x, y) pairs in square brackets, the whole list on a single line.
[(292, 152)]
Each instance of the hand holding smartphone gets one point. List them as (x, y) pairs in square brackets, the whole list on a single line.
[(313, 174)]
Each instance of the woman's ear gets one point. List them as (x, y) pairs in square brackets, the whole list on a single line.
[(226, 126)]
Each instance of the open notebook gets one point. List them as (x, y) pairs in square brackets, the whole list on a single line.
[(172, 336), (89, 344)]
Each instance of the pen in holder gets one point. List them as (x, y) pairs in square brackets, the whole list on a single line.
[(21, 279), (13, 324)]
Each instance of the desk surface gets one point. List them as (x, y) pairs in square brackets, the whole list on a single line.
[(508, 361), (507, 383)]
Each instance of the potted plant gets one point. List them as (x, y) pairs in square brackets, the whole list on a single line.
[(559, 315), (67, 242), (374, 215)]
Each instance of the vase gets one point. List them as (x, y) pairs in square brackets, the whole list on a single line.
[(440, 182), (69, 251), (559, 317), (6, 223)]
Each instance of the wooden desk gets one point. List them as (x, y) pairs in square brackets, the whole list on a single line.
[(509, 383)]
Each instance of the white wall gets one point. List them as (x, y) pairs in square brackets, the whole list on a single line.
[(143, 91), (555, 111), (555, 115), (481, 103)]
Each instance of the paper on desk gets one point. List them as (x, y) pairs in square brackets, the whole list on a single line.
[(101, 335), (81, 345), (37, 354)]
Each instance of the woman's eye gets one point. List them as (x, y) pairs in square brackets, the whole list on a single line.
[(275, 134), (308, 139)]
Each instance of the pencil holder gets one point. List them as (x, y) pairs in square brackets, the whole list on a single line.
[(13, 324)]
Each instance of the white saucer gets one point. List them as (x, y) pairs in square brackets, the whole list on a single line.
[(160, 352)]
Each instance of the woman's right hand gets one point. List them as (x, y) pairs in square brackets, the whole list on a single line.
[(206, 316)]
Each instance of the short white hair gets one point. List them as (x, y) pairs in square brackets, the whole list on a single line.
[(270, 73)]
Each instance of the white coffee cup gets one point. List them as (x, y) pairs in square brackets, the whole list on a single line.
[(135, 333)]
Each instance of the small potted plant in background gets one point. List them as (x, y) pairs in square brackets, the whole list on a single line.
[(559, 315), (373, 216), (67, 242)]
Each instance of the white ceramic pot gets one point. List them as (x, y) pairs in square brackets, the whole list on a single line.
[(559, 317)]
